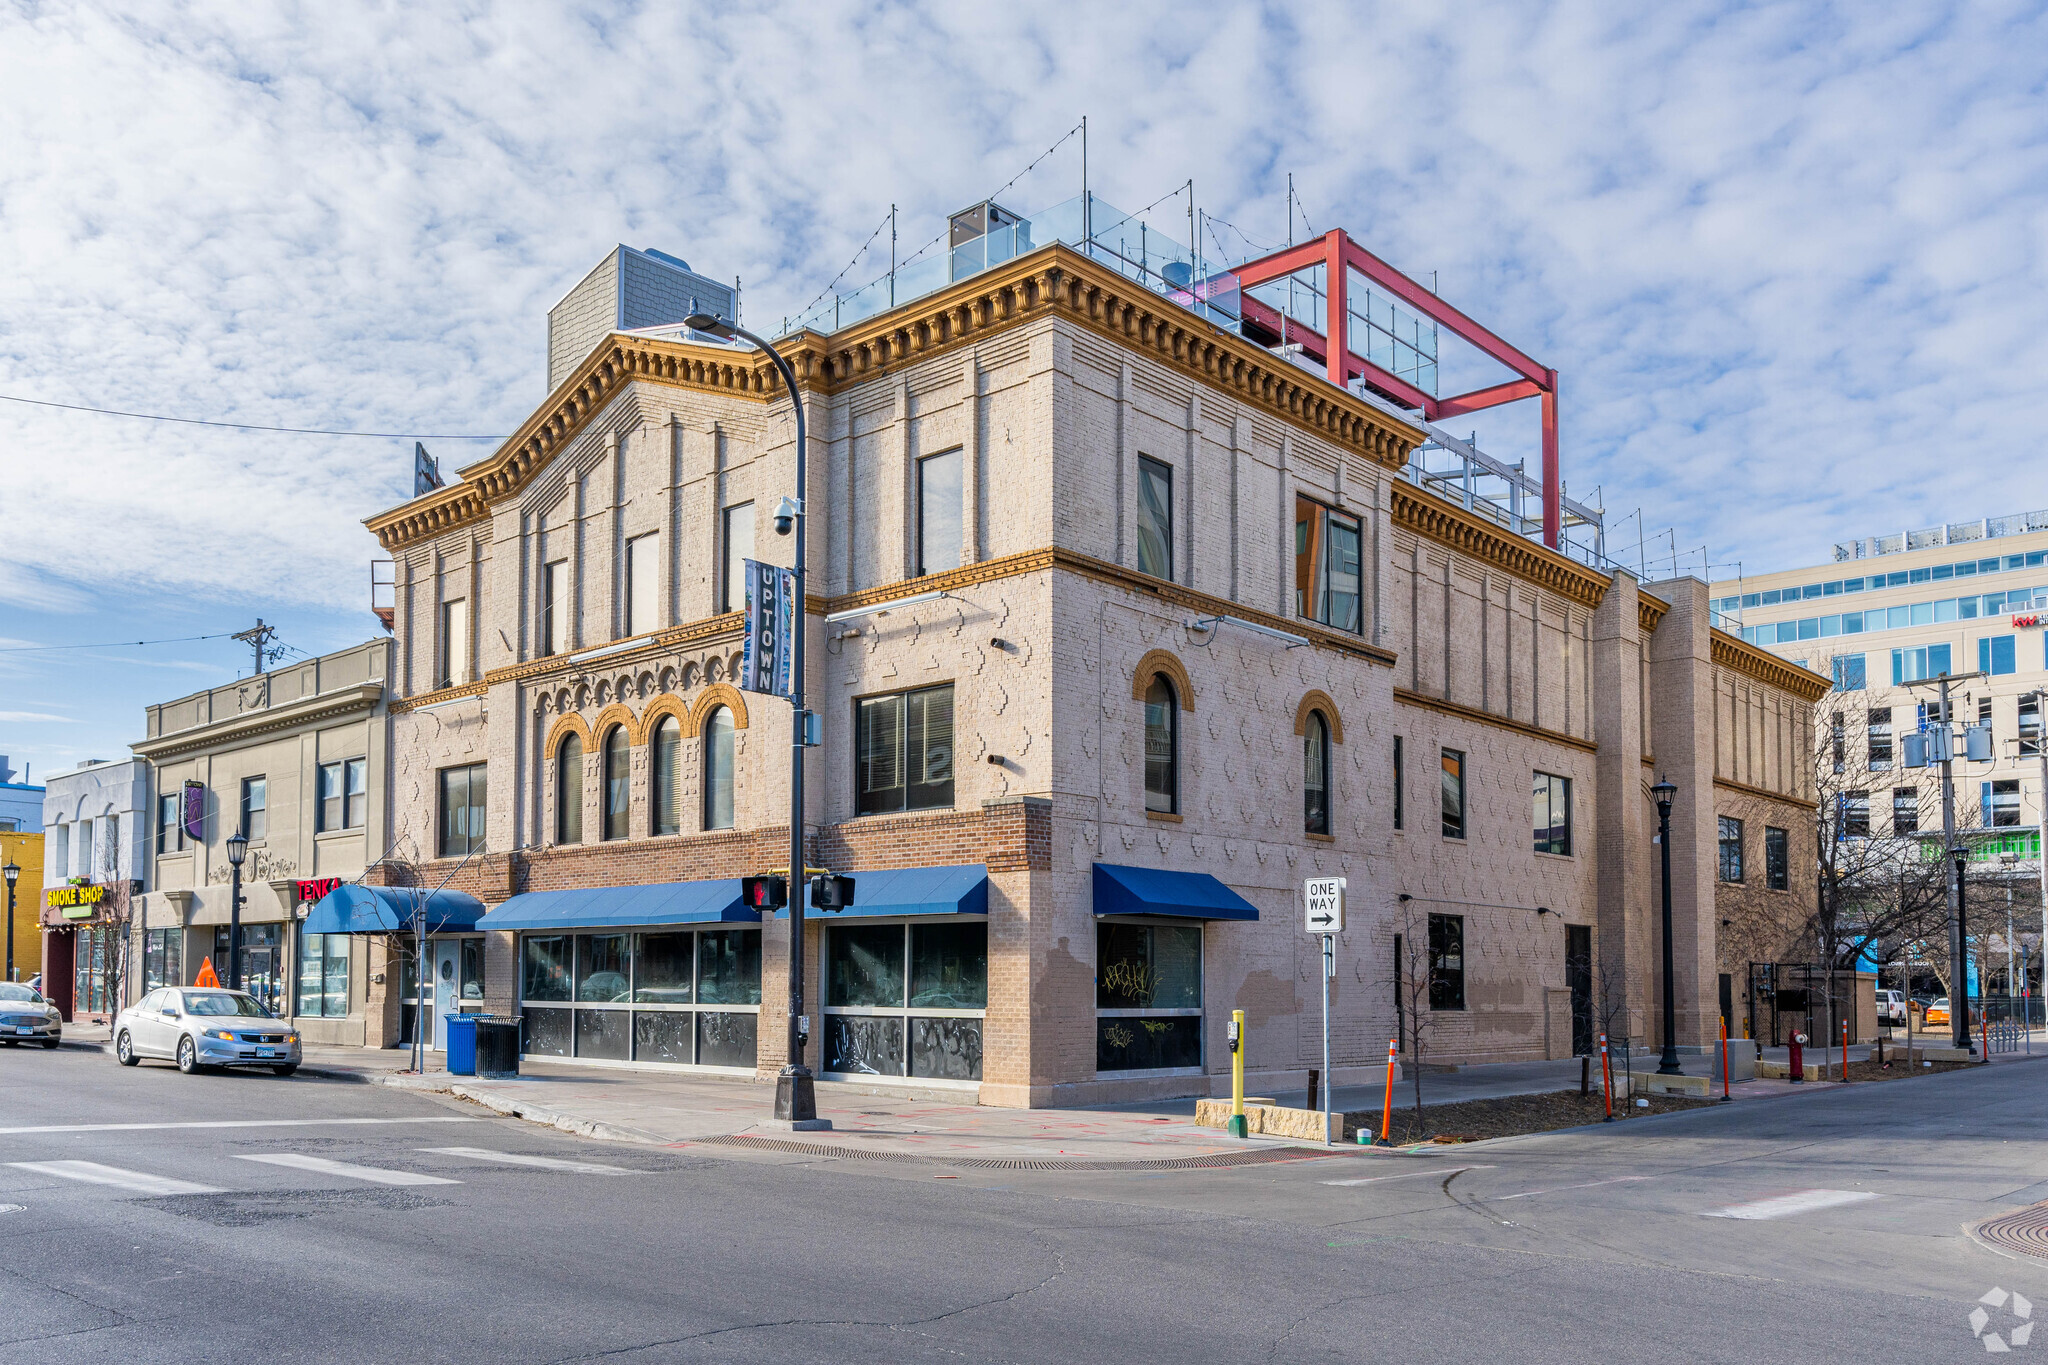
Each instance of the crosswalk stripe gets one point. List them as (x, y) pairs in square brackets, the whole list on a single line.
[(228, 1123), (521, 1159), (320, 1165), (1786, 1205), (93, 1173)]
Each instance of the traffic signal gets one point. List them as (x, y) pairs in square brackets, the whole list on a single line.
[(829, 892), (764, 893)]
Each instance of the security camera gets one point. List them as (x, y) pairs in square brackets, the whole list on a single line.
[(785, 516)]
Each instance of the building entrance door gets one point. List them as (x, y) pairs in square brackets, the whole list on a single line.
[(445, 993), (1578, 972)]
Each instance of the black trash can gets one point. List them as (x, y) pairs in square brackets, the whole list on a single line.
[(497, 1045)]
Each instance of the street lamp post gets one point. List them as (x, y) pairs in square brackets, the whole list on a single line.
[(1668, 1064), (796, 1097), (13, 874), (238, 849), (1959, 994)]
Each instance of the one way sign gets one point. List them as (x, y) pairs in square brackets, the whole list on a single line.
[(1324, 898)]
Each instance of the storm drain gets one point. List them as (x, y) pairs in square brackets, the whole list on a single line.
[(2024, 1231), (1258, 1157)]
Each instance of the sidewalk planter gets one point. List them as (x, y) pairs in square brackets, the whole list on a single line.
[(1271, 1120), (1650, 1083)]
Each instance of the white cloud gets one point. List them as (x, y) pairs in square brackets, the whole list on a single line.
[(25, 717), (1788, 258)]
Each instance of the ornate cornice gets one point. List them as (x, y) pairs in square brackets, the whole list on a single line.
[(436, 698), (695, 633), (1440, 521), (1052, 281), (326, 706), (1451, 708), (1762, 793), (1731, 653), (1650, 611)]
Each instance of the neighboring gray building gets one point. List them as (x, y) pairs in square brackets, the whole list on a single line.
[(21, 806), (626, 291), (96, 839)]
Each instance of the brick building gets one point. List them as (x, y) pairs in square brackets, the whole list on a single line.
[(1122, 625)]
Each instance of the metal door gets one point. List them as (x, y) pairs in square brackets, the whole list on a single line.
[(445, 992)]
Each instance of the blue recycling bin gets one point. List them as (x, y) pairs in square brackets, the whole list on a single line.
[(461, 1030)]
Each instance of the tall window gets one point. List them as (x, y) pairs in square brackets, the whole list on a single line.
[(454, 642), (1916, 665), (665, 751), (618, 777), (162, 954), (739, 547), (1880, 739), (1315, 774), (1995, 655), (1838, 740), (1453, 762), (323, 975), (2030, 727), (904, 747), (569, 790), (718, 768), (1553, 813), (462, 810), (1155, 518), (554, 608), (643, 584), (255, 813), (1731, 849), (938, 512), (1849, 673), (1162, 743), (1327, 562), (1856, 815), (170, 830), (1905, 810), (1148, 996), (343, 795), (1399, 813), (2002, 803), (906, 999), (1777, 859), (1447, 962), (689, 998)]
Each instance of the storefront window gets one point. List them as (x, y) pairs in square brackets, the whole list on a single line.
[(163, 958), (684, 997), (1148, 997), (906, 999), (323, 975), (262, 961)]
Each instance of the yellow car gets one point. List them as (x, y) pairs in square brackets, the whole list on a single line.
[(1937, 1012)]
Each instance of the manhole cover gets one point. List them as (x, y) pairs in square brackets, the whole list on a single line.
[(2025, 1230)]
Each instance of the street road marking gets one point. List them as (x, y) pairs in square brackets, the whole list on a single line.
[(1786, 1205), (520, 1159), (320, 1165), (92, 1173), (1406, 1175), (226, 1123), (1618, 1180)]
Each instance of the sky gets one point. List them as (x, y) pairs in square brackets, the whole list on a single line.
[(1787, 259)]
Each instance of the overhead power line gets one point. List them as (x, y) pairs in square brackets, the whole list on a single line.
[(245, 426), (117, 644)]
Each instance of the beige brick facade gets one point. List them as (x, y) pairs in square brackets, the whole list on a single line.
[(1052, 379)]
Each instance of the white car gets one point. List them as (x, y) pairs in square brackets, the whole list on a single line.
[(202, 1028), (1891, 1007), (25, 1017)]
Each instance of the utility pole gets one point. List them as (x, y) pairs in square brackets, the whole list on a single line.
[(256, 637)]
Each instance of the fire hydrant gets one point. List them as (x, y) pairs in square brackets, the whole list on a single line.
[(1798, 1058)]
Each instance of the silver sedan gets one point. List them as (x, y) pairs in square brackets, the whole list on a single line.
[(202, 1028), (25, 1017)]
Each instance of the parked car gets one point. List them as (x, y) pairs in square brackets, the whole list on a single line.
[(25, 1017), (1891, 1007), (1937, 1013), (201, 1029)]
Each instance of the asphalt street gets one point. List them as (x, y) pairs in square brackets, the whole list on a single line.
[(153, 1217)]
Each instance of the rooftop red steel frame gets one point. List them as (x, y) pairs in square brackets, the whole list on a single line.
[(1339, 255)]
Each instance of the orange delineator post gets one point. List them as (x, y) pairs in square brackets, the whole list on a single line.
[(1845, 1051), (1387, 1101), (1724, 1058), (1606, 1079)]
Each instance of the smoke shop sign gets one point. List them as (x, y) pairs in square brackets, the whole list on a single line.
[(76, 902)]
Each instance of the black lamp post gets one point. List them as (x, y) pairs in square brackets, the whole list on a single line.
[(1959, 994), (13, 874), (795, 1095), (238, 849), (1668, 1064)]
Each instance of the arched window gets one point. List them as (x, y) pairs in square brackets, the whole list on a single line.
[(1162, 757), (1315, 774), (718, 768), (666, 750), (617, 770), (569, 790)]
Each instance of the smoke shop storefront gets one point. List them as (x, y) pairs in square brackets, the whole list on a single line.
[(84, 936)]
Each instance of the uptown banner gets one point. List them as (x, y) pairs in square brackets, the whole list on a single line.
[(195, 812), (766, 663)]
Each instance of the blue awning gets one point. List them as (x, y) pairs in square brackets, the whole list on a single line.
[(594, 907), (958, 890), (1153, 891), (389, 909)]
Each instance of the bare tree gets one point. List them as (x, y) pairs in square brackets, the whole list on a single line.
[(1415, 974)]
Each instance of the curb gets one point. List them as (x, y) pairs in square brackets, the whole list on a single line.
[(520, 1109)]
